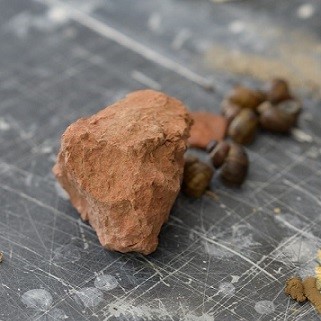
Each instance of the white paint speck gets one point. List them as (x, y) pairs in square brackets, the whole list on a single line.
[(301, 136), (82, 233), (181, 37), (237, 26), (106, 282), (89, 297), (58, 14), (39, 299), (154, 21), (66, 253), (4, 125), (28, 179), (226, 289), (235, 278), (305, 11), (264, 307)]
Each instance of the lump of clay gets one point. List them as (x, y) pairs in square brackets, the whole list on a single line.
[(123, 167), (206, 127)]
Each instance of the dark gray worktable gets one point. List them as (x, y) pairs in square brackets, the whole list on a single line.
[(224, 259)]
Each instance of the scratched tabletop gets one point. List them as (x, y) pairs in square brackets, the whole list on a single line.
[(225, 256)]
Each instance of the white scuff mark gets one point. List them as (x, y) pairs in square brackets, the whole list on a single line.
[(54, 314), (239, 238), (290, 223), (235, 278), (42, 149), (157, 271), (229, 251), (279, 270), (181, 37), (313, 152), (226, 289), (4, 125), (130, 310), (145, 80), (237, 26), (82, 234), (264, 307), (29, 178), (300, 250), (301, 136), (305, 11), (46, 149), (106, 282), (109, 32), (60, 191), (5, 286), (50, 275), (38, 299), (154, 21), (66, 253), (89, 297)]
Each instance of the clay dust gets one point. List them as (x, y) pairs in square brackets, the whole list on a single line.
[(312, 293), (294, 288), (302, 290)]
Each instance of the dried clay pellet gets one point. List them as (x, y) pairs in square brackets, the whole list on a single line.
[(312, 293), (1, 257), (294, 288)]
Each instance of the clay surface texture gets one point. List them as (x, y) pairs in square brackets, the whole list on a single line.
[(123, 166)]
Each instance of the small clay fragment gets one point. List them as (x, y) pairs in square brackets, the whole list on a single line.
[(219, 154), (229, 110), (206, 127), (243, 127), (1, 257), (278, 90), (294, 288), (246, 97), (197, 177), (318, 271), (235, 167), (312, 293), (123, 168)]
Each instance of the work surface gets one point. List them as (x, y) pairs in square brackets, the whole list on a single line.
[(224, 258)]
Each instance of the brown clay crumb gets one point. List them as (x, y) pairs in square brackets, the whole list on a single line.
[(277, 210), (1, 257), (318, 276), (294, 288), (312, 293), (207, 127)]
